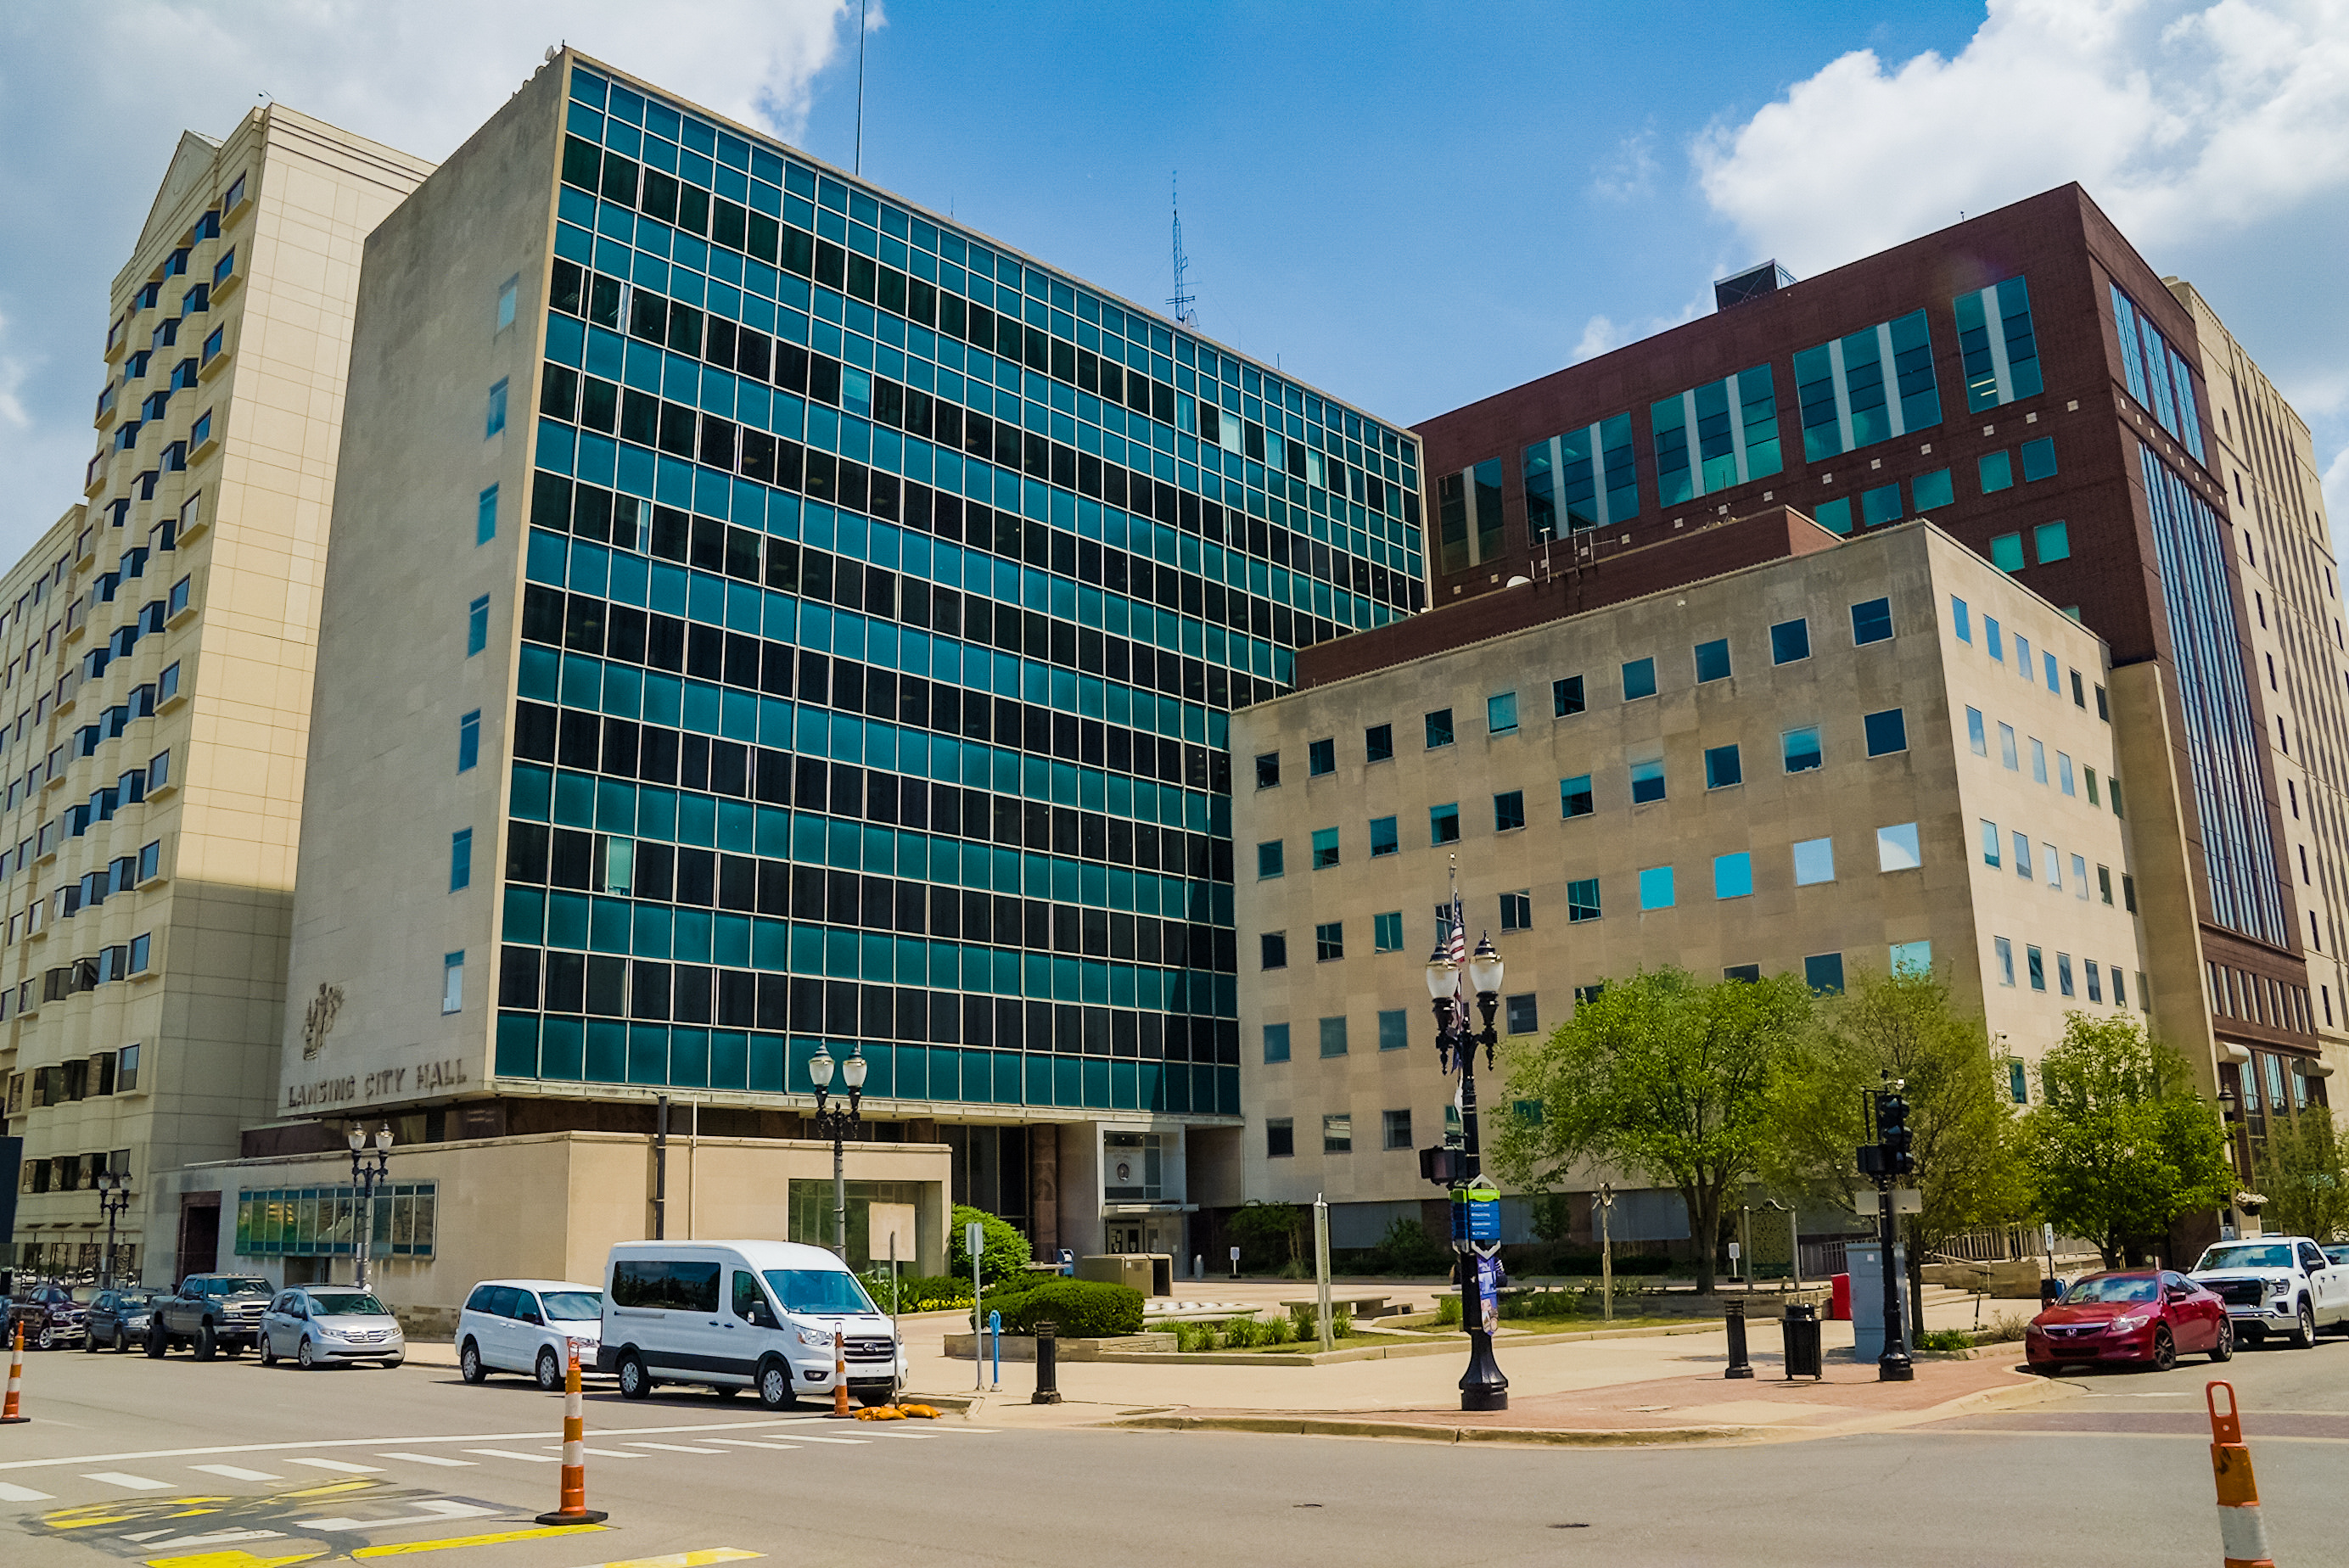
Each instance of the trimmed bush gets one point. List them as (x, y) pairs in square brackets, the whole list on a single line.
[(1084, 1309)]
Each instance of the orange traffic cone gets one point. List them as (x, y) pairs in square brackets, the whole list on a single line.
[(2242, 1533), (840, 1410), (11, 1414), (575, 1508)]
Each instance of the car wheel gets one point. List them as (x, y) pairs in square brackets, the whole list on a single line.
[(46, 1339), (2223, 1347), (2304, 1328), (636, 1383), (268, 1349), (2165, 1348), (305, 1356), (121, 1341), (550, 1372), (158, 1342), (775, 1391), (468, 1364), (89, 1343), (207, 1342)]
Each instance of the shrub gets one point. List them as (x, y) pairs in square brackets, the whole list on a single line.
[(1194, 1336), (2006, 1328), (1543, 1304), (917, 1293), (1004, 1254), (1282, 1331), (1302, 1318), (1945, 1339), (1408, 1249), (1083, 1309), (1447, 1310), (1342, 1324), (1243, 1331)]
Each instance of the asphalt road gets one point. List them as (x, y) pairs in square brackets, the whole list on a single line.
[(227, 1465)]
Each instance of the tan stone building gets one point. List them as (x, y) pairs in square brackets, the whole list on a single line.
[(1877, 752), (2268, 463), (158, 647)]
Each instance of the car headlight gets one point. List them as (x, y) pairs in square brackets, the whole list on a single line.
[(2130, 1323), (815, 1337)]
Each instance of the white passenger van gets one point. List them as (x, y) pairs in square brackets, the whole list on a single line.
[(742, 1315)]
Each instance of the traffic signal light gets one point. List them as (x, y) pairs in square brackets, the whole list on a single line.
[(1892, 1136)]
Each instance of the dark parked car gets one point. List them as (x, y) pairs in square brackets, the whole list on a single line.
[(118, 1318), (2136, 1314), (50, 1315)]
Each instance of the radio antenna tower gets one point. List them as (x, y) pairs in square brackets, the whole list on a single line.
[(1181, 301)]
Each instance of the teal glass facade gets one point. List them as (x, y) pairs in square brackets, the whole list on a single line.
[(886, 595), (1587, 478), (1997, 344), (1866, 386), (1715, 437)]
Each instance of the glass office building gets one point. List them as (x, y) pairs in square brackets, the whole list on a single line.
[(881, 598)]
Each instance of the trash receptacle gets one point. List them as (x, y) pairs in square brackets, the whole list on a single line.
[(1801, 1326), (1840, 1299)]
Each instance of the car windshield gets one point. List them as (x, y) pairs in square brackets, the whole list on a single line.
[(819, 1292), (2111, 1288), (2337, 1255), (347, 1304), (237, 1287), (573, 1305), (2247, 1256)]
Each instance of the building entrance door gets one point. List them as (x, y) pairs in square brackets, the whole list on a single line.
[(1125, 1236)]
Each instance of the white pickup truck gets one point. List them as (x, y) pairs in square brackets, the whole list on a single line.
[(2280, 1284)]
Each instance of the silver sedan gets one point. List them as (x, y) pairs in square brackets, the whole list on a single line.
[(323, 1323)]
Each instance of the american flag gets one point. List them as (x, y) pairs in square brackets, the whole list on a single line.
[(1458, 920)]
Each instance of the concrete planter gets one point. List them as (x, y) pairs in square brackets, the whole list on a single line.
[(1022, 1346)]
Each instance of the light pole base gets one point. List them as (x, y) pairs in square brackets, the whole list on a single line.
[(1896, 1368), (1484, 1399), (1483, 1387)]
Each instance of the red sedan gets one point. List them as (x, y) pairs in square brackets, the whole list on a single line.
[(2137, 1315)]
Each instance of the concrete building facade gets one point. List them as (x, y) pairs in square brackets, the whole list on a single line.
[(1877, 752), (767, 615), (157, 648)]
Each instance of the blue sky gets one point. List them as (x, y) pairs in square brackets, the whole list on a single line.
[(1411, 205)]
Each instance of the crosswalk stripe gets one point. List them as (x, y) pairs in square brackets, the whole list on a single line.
[(811, 1437), (614, 1453), (747, 1443), (9, 1494), (510, 1454), (673, 1448), (236, 1472), (127, 1482), (424, 1460), (341, 1466)]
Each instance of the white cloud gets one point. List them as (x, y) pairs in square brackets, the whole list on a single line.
[(1631, 171), (96, 97), (2173, 118)]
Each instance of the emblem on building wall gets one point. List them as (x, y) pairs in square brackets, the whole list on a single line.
[(319, 1019)]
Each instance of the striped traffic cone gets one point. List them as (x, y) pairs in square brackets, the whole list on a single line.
[(2242, 1534), (840, 1410), (12, 1413), (575, 1508)]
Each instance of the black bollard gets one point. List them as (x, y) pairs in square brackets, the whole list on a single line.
[(1048, 1365), (1739, 1366)]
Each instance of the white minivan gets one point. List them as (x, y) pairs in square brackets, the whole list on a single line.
[(527, 1325), (742, 1315)]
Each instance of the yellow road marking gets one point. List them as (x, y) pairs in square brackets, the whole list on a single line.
[(407, 1548)]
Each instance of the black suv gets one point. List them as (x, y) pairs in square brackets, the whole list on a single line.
[(211, 1312)]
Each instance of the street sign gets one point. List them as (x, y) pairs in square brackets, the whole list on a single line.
[(974, 1238), (1476, 1213), (1905, 1201)]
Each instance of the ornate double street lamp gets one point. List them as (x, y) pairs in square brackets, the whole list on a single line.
[(1475, 1207), (365, 1177), (113, 1197), (838, 1125)]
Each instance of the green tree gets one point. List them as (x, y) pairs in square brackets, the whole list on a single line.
[(1003, 1251), (1663, 1074), (2120, 1146), (1272, 1227), (1968, 1141), (2303, 1171)]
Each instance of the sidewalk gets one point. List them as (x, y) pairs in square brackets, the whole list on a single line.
[(1642, 1389)]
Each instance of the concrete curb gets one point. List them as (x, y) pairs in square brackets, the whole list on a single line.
[(1447, 1346), (1316, 1427)]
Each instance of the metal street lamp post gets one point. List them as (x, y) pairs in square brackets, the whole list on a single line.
[(838, 1125), (365, 1177), (1604, 1202), (113, 1197), (1482, 1386)]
